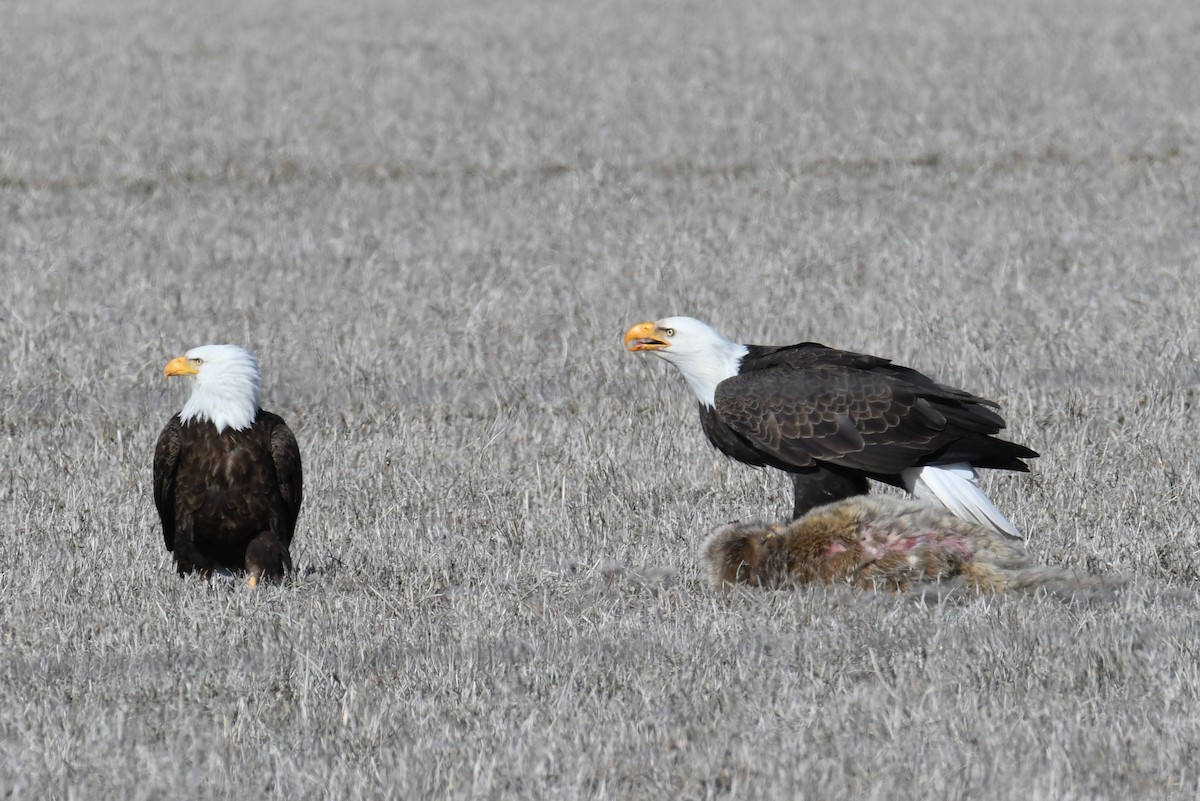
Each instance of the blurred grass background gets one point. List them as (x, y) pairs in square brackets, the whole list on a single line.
[(433, 222)]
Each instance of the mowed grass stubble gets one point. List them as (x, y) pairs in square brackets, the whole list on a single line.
[(432, 226)]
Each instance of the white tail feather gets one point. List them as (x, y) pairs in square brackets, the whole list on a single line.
[(956, 486)]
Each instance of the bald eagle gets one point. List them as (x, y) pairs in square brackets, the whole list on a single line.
[(882, 542), (834, 419), (227, 475)]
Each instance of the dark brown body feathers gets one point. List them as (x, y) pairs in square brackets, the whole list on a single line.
[(834, 419), (230, 499)]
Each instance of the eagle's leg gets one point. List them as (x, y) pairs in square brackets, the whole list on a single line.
[(267, 557), (188, 558), (817, 486)]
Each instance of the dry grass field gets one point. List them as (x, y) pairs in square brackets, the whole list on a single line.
[(433, 222)]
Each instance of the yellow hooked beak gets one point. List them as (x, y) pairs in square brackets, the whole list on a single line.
[(181, 365), (645, 336)]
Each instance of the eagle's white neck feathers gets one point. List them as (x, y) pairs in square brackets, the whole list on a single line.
[(225, 388), (702, 354)]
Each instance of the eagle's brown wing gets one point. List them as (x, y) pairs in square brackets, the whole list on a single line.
[(821, 405), (286, 455), (166, 463)]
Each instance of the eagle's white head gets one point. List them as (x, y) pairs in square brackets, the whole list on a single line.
[(699, 351), (225, 380)]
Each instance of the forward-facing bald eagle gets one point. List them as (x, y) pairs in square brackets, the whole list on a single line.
[(833, 419), (883, 542), (227, 475)]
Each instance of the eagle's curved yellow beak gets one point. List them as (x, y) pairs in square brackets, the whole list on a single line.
[(644, 336), (181, 365)]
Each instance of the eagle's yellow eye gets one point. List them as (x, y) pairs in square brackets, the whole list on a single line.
[(669, 332)]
